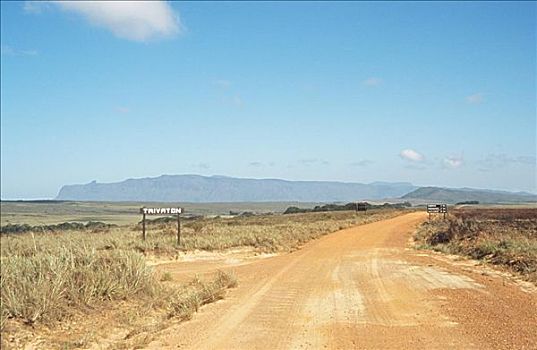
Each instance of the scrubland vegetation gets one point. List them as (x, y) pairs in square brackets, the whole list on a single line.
[(264, 233), (120, 213), (348, 206), (48, 275), (95, 226), (503, 237)]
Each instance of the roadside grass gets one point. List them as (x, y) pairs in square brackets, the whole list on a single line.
[(265, 233), (186, 301), (177, 304), (120, 213), (501, 237), (124, 324), (47, 277), (44, 286)]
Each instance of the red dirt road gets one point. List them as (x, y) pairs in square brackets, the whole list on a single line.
[(361, 288)]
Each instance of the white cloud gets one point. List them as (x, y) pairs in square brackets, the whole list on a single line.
[(222, 83), (362, 163), (308, 161), (203, 166), (313, 161), (232, 100), (476, 99), (237, 101), (411, 155), (501, 160), (415, 167), (10, 51), (453, 162), (372, 81), (34, 6), (122, 109), (132, 20)]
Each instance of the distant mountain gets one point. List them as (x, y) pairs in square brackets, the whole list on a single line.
[(448, 195), (196, 188)]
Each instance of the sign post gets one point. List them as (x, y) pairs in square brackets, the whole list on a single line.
[(360, 206), (178, 230), (162, 211), (143, 226), (437, 209)]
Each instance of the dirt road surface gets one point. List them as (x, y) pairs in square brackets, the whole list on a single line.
[(360, 288)]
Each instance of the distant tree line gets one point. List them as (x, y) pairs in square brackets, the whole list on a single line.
[(467, 202), (64, 226), (348, 206)]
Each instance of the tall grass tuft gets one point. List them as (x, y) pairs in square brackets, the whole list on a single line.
[(185, 302), (47, 284)]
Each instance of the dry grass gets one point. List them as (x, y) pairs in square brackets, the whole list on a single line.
[(44, 284), (48, 277), (120, 213), (127, 324), (266, 233), (186, 301), (177, 304), (503, 237)]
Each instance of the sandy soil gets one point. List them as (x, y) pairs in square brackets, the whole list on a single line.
[(359, 288)]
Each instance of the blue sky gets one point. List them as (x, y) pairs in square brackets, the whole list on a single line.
[(430, 93)]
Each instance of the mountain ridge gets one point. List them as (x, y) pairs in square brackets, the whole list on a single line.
[(197, 188), (454, 195), (219, 188)]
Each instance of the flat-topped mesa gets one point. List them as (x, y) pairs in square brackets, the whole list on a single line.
[(199, 189)]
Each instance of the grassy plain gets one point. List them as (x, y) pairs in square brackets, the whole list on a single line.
[(50, 277), (119, 213), (506, 237)]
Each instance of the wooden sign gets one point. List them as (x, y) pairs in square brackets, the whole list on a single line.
[(361, 206), (437, 208), (162, 211)]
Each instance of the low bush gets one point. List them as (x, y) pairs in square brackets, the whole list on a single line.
[(346, 207), (510, 240), (64, 226)]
